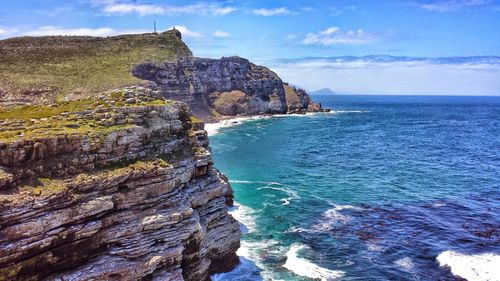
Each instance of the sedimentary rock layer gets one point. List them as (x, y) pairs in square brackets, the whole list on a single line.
[(138, 198), (228, 86)]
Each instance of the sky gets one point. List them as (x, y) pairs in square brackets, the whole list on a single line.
[(424, 47)]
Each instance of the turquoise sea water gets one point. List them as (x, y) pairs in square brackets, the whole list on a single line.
[(381, 188)]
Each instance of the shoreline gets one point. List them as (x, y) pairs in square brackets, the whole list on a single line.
[(213, 127)]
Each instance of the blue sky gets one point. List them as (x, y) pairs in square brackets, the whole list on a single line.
[(421, 46)]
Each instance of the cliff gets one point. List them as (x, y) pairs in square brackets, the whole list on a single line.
[(55, 68), (45, 69), (228, 86), (105, 173), (119, 187)]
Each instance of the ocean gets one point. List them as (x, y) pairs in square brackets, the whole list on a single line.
[(381, 188)]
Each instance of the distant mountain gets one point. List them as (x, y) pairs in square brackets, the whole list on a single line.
[(324, 91)]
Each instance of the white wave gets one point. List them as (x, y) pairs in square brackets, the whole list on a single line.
[(255, 182), (296, 229), (244, 215), (333, 216), (349, 111), (285, 201), (245, 271), (346, 207), (373, 247), (439, 204), (405, 263), (256, 251), (214, 128), (305, 268), (478, 267)]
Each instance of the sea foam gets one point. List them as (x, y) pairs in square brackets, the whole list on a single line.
[(213, 128), (244, 215), (333, 217), (479, 267), (405, 263), (305, 268)]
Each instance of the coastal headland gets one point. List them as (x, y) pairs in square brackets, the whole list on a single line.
[(105, 168)]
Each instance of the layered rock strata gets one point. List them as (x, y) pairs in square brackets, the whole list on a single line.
[(122, 190), (228, 86)]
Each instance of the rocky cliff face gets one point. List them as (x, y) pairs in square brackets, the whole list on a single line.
[(298, 101), (121, 187), (227, 86)]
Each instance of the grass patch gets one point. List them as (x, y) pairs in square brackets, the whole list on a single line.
[(195, 119), (69, 64), (28, 112), (90, 129)]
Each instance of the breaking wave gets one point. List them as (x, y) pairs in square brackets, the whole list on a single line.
[(244, 215), (305, 268), (478, 267)]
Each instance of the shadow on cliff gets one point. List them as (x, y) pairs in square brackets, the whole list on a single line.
[(247, 270)]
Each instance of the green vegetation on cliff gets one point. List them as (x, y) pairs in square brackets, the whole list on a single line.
[(43, 68), (67, 117)]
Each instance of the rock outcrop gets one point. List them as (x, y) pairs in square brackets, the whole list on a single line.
[(44, 69), (298, 101), (121, 187), (228, 86)]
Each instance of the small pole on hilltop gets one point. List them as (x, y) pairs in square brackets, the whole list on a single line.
[(155, 25)]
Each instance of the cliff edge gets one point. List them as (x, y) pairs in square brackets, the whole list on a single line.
[(40, 70), (105, 172), (119, 187), (229, 86), (50, 68)]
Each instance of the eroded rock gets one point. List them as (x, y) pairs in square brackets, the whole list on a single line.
[(228, 86), (127, 202)]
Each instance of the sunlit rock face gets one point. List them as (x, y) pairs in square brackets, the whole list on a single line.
[(228, 86), (136, 199)]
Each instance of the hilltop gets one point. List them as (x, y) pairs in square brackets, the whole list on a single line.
[(324, 92), (52, 69), (44, 69)]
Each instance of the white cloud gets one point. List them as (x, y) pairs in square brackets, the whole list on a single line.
[(222, 11), (103, 31), (271, 12), (186, 32), (333, 36), (121, 7), (4, 31), (450, 5), (220, 33), (85, 31), (133, 8), (389, 75), (337, 11)]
